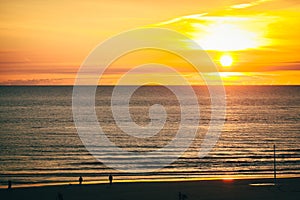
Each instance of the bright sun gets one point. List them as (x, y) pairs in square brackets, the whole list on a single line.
[(226, 60)]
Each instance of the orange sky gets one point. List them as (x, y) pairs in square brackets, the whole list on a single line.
[(45, 42)]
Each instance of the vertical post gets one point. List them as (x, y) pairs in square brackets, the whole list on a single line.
[(274, 164)]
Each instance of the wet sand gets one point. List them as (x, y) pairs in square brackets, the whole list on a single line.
[(287, 188)]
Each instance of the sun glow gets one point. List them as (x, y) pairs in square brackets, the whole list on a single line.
[(227, 37), (226, 60)]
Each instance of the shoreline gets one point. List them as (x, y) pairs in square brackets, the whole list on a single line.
[(154, 180)]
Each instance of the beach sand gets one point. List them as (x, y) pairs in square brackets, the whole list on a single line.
[(288, 188)]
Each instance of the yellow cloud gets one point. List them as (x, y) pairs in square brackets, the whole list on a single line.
[(224, 33)]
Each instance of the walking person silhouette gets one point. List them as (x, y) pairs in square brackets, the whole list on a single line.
[(110, 179), (80, 180), (9, 185)]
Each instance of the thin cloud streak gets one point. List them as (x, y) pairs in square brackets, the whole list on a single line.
[(247, 5)]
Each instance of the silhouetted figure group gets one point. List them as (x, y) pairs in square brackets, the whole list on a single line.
[(80, 180)]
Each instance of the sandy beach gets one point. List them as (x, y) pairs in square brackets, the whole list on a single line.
[(211, 189)]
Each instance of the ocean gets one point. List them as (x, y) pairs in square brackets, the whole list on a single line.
[(39, 144)]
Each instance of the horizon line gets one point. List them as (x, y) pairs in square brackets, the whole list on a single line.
[(226, 85)]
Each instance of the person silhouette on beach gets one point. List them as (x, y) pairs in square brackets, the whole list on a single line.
[(80, 180), (9, 185), (182, 196), (59, 196), (110, 179)]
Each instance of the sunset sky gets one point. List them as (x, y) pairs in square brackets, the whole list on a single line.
[(251, 42)]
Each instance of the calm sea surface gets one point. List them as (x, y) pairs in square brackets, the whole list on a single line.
[(39, 143)]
